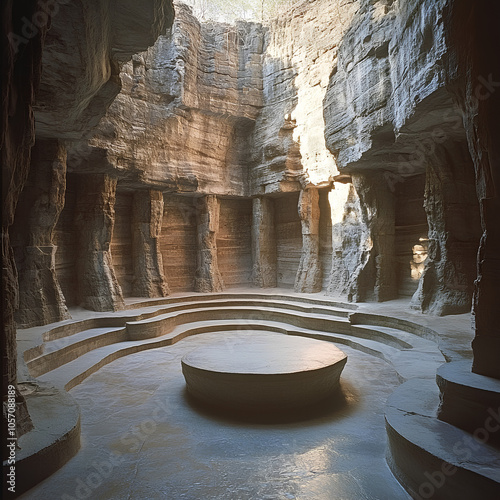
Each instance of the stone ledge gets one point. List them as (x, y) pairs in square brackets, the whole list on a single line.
[(431, 458), (470, 401), (55, 438)]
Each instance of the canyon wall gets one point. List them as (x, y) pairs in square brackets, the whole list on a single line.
[(81, 56), (333, 130), (390, 115)]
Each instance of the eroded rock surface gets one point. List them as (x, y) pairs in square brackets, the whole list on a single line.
[(389, 115)]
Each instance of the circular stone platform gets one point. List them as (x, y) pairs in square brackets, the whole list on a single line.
[(263, 372)]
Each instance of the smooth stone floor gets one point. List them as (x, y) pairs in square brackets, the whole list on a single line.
[(143, 438)]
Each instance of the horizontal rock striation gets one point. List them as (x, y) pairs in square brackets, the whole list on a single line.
[(390, 113), (185, 111)]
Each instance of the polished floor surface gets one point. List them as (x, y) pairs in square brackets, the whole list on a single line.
[(144, 438)]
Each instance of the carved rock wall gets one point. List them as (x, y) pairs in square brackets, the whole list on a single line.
[(288, 238), (475, 41), (289, 148), (40, 204), (72, 93), (234, 242), (389, 112), (185, 110), (178, 242), (98, 287)]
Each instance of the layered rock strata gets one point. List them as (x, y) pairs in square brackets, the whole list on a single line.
[(98, 288), (309, 275), (264, 272), (147, 217), (41, 203), (208, 278), (389, 114), (81, 56)]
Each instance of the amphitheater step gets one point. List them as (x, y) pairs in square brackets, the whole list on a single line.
[(468, 400), (434, 459), (75, 371)]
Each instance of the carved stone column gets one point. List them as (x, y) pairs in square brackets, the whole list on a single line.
[(208, 278), (309, 274), (41, 300), (98, 288), (263, 243), (376, 278), (147, 215), (452, 210)]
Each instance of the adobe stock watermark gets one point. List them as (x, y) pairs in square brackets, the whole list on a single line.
[(39, 20), (133, 440), (463, 450)]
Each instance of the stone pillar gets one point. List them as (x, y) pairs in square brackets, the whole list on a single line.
[(98, 288), (41, 300), (264, 271), (208, 278), (309, 275), (376, 278), (147, 215), (446, 285), (486, 305)]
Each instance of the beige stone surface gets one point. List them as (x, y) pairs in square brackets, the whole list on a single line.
[(264, 373)]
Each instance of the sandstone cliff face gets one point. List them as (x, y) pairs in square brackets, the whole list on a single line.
[(185, 110), (389, 113), (83, 52), (288, 150)]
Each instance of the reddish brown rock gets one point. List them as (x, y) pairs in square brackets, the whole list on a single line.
[(98, 288), (147, 215), (208, 278)]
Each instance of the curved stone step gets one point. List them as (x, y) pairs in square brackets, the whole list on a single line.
[(360, 318), (71, 327), (432, 458), (157, 326), (76, 371), (55, 437), (308, 299), (66, 349), (469, 401)]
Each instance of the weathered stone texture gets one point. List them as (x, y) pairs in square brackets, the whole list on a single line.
[(474, 38), (187, 106), (147, 217), (411, 233), (208, 277), (234, 241), (178, 242), (121, 246), (309, 274), (454, 231), (40, 297), (384, 94), (20, 74), (289, 148), (98, 288), (288, 238), (363, 240), (86, 43), (264, 272)]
